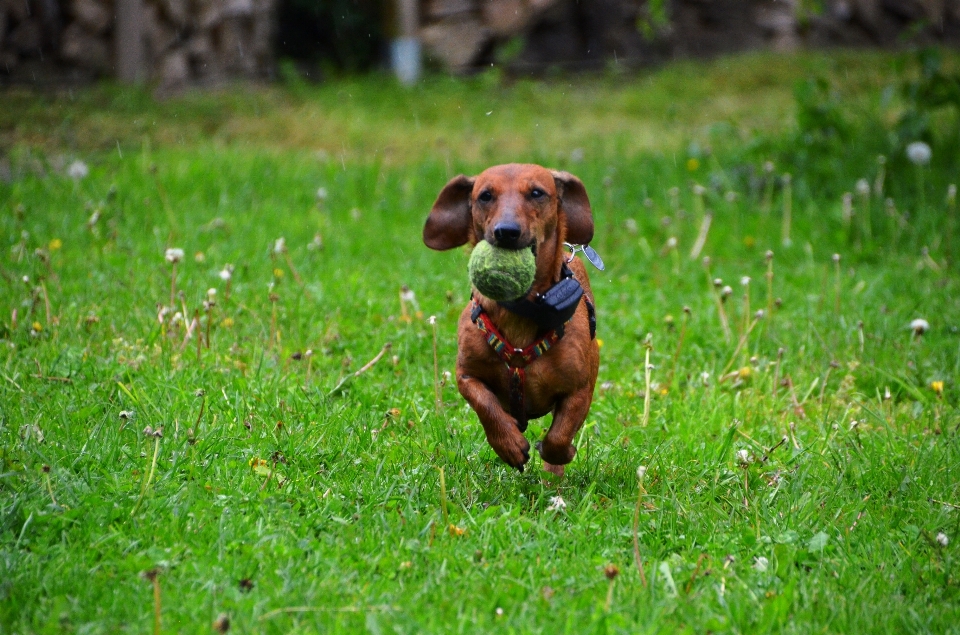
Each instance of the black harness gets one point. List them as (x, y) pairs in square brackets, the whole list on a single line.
[(550, 310)]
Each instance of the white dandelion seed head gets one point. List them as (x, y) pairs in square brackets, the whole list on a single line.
[(78, 170), (173, 255), (760, 314), (919, 153), (726, 291), (226, 273), (836, 257), (557, 504), (641, 472), (919, 326), (672, 242), (280, 245), (863, 187), (743, 457), (211, 294), (432, 320), (745, 280)]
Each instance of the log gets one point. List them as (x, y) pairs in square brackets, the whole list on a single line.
[(27, 37), (174, 70), (506, 18), (176, 11), (442, 9), (458, 42), (93, 15), (85, 49)]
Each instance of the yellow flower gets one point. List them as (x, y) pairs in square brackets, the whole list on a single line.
[(693, 164), (745, 372), (36, 326), (227, 322), (599, 343), (55, 244), (937, 387), (278, 273)]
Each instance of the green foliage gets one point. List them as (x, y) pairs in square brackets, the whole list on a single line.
[(933, 94)]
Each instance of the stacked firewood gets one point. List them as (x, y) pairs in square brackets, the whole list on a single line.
[(181, 41)]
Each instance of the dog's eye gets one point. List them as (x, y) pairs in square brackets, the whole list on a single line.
[(485, 196), (537, 193)]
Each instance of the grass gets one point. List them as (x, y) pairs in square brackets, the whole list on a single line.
[(802, 480)]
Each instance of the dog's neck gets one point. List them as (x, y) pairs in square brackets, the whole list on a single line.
[(518, 330)]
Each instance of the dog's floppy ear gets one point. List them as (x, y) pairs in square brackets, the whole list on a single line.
[(575, 205), (448, 224)]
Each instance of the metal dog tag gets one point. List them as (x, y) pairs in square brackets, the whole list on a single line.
[(593, 257)]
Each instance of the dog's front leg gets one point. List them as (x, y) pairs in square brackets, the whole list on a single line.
[(503, 435), (557, 447)]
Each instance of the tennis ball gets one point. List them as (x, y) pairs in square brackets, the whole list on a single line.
[(501, 274)]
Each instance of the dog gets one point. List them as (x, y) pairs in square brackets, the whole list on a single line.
[(521, 360)]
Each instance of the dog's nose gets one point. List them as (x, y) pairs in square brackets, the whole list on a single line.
[(507, 235)]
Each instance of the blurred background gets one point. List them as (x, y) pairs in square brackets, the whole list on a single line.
[(175, 44)]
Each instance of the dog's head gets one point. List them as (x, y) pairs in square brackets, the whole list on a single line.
[(511, 206)]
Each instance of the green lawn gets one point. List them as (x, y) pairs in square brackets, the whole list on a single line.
[(802, 475)]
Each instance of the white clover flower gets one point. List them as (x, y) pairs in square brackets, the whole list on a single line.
[(641, 472), (743, 457), (557, 504), (78, 170), (279, 245), (919, 326), (942, 539), (760, 314), (211, 294), (726, 291), (173, 255), (126, 414), (863, 187), (432, 320), (705, 378), (761, 564), (836, 257), (745, 280), (671, 243), (919, 153)]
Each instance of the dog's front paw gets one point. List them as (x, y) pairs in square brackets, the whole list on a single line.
[(556, 455), (513, 448)]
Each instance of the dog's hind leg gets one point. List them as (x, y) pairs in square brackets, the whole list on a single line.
[(502, 432), (557, 447)]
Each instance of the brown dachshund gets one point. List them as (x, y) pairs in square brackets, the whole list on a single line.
[(520, 360)]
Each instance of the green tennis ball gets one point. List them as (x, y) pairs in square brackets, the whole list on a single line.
[(502, 274)]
